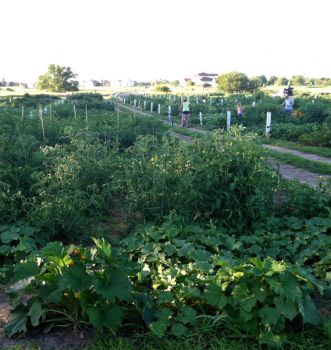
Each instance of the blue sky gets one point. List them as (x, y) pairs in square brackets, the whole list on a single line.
[(149, 39)]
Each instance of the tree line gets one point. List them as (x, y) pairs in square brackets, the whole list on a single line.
[(61, 79)]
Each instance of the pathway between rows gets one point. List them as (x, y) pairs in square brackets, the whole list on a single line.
[(286, 171), (309, 156)]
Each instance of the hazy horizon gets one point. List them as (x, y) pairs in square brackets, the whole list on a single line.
[(147, 40)]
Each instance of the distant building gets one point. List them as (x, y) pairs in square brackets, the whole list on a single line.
[(89, 84), (105, 83), (205, 79), (122, 83)]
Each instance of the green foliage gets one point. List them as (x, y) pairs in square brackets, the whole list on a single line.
[(90, 100), (233, 82), (74, 186), (281, 81), (61, 183), (317, 112), (33, 101), (302, 201), (57, 79), (16, 242), (69, 286), (162, 88), (222, 175), (189, 276), (298, 80), (250, 272)]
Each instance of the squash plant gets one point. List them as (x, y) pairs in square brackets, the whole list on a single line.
[(69, 286)]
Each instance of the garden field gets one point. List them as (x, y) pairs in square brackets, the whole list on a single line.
[(115, 231)]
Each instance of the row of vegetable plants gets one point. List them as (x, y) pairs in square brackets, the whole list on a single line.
[(219, 241), (309, 123)]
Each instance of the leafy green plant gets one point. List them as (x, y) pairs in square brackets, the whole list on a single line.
[(69, 286), (221, 176), (16, 242), (189, 276)]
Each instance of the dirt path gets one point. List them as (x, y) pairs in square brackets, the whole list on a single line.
[(289, 172), (309, 156)]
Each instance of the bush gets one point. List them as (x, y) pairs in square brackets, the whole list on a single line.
[(222, 176), (162, 88)]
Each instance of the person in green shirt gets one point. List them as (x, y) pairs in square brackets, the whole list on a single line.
[(185, 109)]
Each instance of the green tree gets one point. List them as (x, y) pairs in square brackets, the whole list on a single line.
[(260, 80), (298, 80), (272, 79), (281, 81), (58, 79), (233, 82), (162, 88)]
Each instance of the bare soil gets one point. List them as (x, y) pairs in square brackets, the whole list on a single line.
[(289, 172), (57, 340)]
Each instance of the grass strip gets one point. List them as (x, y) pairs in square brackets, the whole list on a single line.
[(310, 165), (321, 151), (188, 132)]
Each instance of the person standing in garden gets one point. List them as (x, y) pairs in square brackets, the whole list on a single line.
[(240, 112), (288, 105), (185, 109)]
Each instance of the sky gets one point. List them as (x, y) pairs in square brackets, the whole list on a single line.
[(165, 39)]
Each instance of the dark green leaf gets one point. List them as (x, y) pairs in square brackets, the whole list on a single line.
[(18, 322), (36, 313), (213, 295), (187, 315), (310, 313), (286, 307), (269, 315), (25, 270), (178, 330), (75, 278), (159, 328)]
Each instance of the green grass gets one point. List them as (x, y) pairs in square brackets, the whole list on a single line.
[(188, 132), (309, 165), (321, 151), (303, 339)]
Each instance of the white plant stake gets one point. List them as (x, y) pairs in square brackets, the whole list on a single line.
[(159, 108), (228, 120), (42, 122), (151, 106), (200, 117), (86, 116), (268, 124)]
